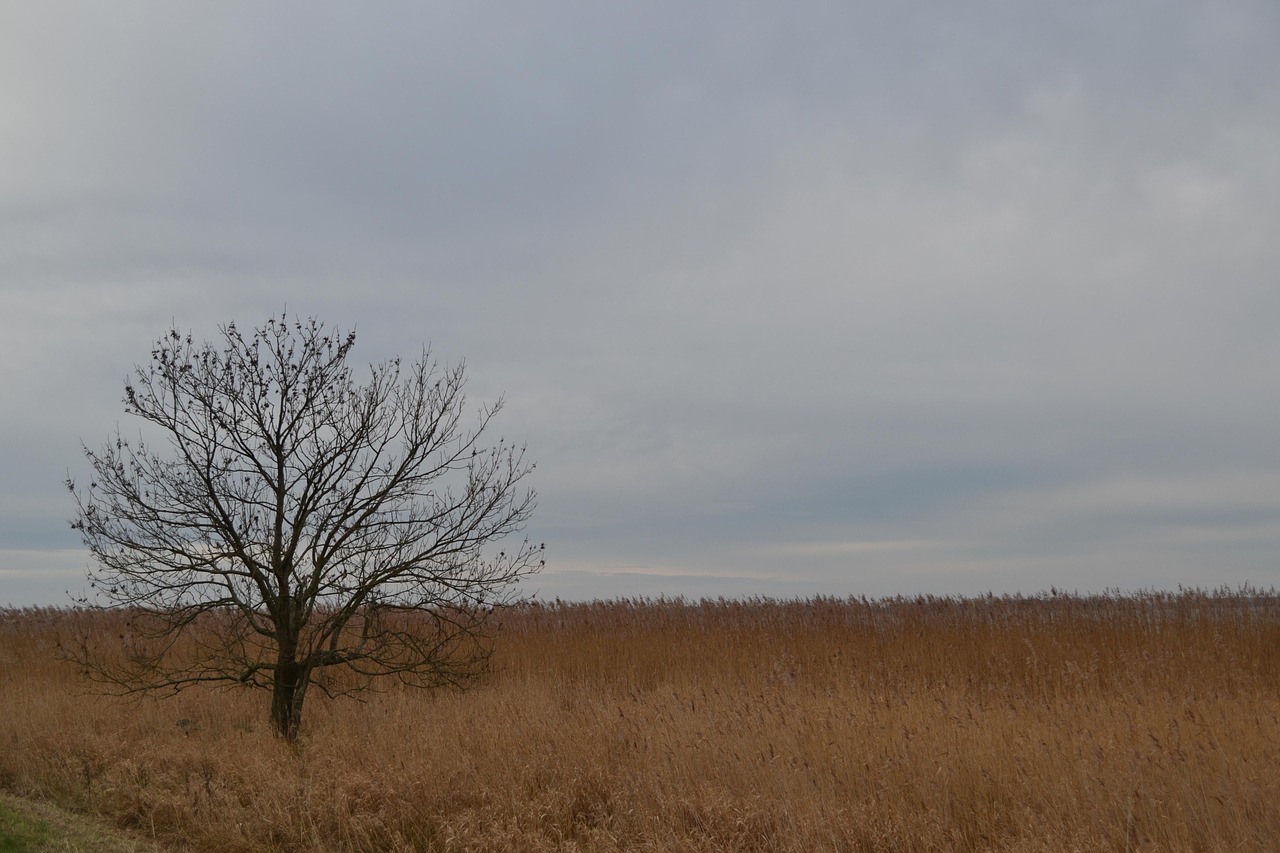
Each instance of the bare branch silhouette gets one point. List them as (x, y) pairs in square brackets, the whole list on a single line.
[(297, 521)]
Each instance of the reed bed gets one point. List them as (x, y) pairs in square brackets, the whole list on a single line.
[(1048, 723)]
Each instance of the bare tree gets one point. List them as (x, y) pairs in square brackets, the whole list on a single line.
[(300, 522)]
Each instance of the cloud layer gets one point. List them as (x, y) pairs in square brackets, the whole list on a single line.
[(848, 298)]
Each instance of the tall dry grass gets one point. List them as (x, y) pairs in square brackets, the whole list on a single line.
[(1147, 722)]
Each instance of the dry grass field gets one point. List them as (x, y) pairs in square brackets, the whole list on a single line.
[(1054, 723)]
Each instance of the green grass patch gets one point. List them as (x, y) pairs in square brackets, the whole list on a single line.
[(31, 827), (21, 832)]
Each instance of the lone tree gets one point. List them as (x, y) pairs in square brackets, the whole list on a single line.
[(299, 523)]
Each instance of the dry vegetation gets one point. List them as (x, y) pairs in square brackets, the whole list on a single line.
[(1145, 722)]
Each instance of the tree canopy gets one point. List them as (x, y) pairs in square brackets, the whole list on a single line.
[(296, 521)]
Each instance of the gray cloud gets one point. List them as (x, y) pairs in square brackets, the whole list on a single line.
[(765, 289)]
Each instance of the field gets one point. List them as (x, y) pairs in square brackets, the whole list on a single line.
[(1146, 722)]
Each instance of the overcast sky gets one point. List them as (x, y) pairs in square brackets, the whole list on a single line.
[(785, 298)]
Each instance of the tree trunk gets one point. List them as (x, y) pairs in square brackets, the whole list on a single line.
[(289, 690)]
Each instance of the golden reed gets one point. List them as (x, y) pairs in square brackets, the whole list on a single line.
[(1135, 722)]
